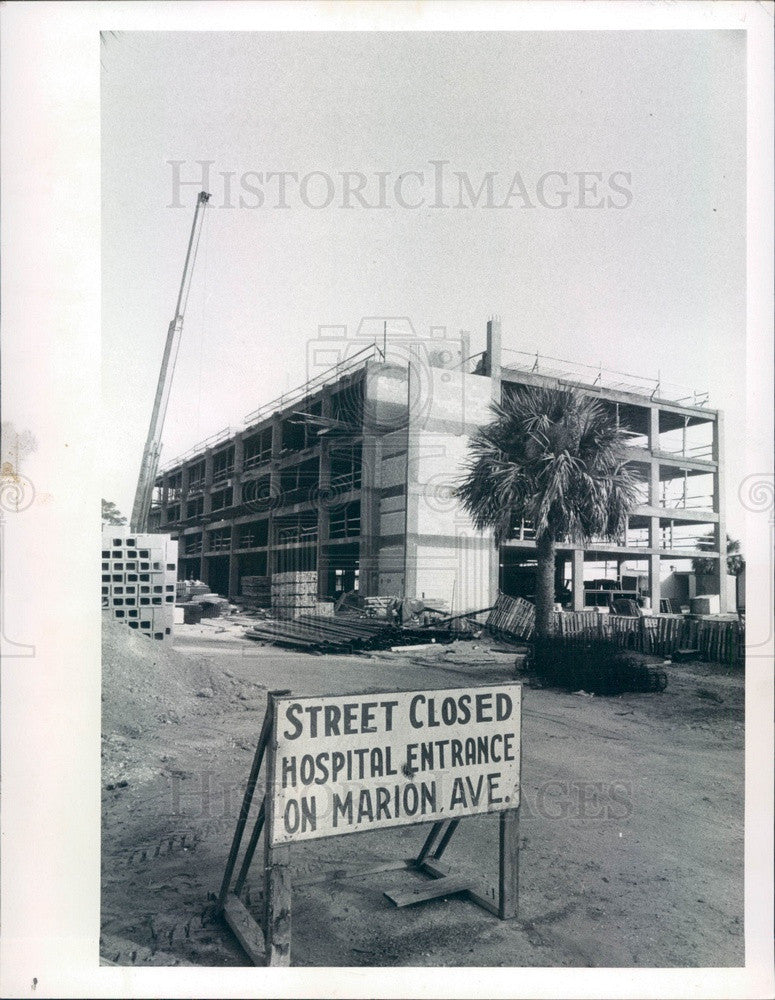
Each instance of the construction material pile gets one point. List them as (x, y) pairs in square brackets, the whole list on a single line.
[(188, 590), (513, 616), (213, 605), (145, 683), (376, 607), (256, 590), (296, 593), (198, 601), (343, 633)]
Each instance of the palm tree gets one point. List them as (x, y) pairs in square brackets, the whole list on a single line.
[(735, 558), (556, 458)]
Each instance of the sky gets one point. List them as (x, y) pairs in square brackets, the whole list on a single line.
[(650, 282)]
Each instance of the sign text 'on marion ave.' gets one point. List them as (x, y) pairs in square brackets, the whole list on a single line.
[(367, 761)]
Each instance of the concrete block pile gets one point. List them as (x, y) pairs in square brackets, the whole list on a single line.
[(139, 573)]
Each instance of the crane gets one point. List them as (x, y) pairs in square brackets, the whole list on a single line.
[(150, 461)]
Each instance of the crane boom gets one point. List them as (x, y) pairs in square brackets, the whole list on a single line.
[(150, 461)]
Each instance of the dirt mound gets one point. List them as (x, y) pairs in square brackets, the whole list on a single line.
[(146, 682)]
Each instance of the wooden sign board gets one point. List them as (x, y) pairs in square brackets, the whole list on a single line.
[(353, 763)]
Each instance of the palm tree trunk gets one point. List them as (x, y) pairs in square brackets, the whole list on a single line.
[(544, 585)]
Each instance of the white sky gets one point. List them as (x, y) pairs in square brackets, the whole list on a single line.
[(657, 286)]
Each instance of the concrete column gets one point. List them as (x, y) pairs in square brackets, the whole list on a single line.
[(324, 508), (204, 572), (654, 531), (368, 555), (654, 500), (492, 361), (655, 541), (495, 573), (164, 496), (577, 576), (233, 565), (274, 491), (653, 428), (236, 498), (412, 494), (324, 517), (239, 465), (654, 581), (208, 484), (184, 492), (371, 483), (719, 505), (493, 369)]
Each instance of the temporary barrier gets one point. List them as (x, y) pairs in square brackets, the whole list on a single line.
[(661, 635), (345, 764)]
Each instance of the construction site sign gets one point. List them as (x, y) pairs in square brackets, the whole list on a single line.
[(351, 763)]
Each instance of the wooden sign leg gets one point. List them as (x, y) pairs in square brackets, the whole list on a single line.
[(429, 841), (277, 906), (251, 848), (508, 867), (250, 788), (453, 825), (277, 876)]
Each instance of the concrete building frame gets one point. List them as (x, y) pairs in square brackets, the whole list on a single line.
[(352, 475)]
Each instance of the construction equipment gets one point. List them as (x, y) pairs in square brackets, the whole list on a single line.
[(150, 461)]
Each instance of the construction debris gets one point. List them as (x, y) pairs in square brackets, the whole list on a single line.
[(379, 607), (343, 634), (188, 590), (257, 590), (295, 593), (192, 613), (513, 616)]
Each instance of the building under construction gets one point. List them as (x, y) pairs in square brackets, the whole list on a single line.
[(351, 475)]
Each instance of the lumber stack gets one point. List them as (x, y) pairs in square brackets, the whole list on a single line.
[(294, 593), (340, 634), (257, 589)]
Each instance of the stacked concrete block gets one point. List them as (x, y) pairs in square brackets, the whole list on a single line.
[(257, 589), (139, 573), (294, 594)]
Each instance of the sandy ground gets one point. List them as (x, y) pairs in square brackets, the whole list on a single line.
[(631, 826)]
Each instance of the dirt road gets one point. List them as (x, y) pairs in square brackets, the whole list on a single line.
[(631, 824)]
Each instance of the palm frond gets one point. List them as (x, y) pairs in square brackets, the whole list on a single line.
[(554, 457)]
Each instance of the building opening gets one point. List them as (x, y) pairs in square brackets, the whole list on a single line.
[(343, 569), (218, 575)]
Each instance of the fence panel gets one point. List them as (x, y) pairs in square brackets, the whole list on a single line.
[(658, 635)]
